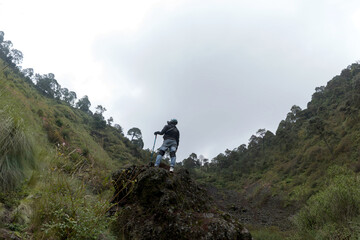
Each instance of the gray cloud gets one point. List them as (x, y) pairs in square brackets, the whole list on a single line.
[(223, 69)]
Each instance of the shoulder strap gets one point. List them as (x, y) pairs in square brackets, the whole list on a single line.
[(170, 129)]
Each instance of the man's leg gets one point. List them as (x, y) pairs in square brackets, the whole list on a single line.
[(173, 156), (159, 157), (173, 159)]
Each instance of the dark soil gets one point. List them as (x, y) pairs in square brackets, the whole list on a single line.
[(262, 211)]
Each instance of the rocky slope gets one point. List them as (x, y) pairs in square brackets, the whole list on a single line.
[(151, 203), (260, 211)]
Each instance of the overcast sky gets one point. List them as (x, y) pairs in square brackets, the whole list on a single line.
[(223, 68)]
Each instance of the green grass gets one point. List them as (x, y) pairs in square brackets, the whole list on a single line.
[(66, 210), (16, 151), (333, 213), (68, 190)]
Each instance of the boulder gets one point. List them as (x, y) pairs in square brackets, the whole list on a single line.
[(151, 203)]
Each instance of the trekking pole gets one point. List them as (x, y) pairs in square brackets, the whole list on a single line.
[(152, 152)]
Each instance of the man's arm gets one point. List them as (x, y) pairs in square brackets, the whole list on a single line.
[(162, 131), (178, 139)]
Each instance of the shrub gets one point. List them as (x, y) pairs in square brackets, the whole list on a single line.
[(65, 211), (65, 134), (344, 146), (16, 151), (332, 213), (58, 122), (40, 113), (315, 154), (85, 151), (54, 136), (75, 156)]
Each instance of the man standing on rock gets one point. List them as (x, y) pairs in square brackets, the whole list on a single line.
[(171, 142)]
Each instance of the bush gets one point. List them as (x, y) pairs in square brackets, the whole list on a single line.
[(333, 213), (54, 136), (40, 113), (85, 151), (65, 134), (16, 151), (65, 211), (344, 146), (58, 122)]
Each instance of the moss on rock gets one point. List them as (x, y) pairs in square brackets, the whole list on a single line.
[(152, 203)]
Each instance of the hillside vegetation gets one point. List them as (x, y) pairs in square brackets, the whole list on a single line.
[(56, 160), (311, 162), (56, 157)]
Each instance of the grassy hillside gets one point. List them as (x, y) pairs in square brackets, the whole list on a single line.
[(311, 162), (56, 160), (61, 189)]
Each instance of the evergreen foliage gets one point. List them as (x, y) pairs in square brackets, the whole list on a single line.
[(136, 137), (324, 134)]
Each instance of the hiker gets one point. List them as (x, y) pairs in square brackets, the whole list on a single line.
[(171, 142)]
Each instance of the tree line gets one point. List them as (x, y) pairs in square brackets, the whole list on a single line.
[(48, 86), (326, 131)]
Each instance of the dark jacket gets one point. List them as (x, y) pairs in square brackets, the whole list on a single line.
[(170, 132)]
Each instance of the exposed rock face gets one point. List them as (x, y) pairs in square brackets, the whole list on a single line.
[(155, 204)]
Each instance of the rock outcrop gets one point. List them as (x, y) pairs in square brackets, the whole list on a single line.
[(151, 203)]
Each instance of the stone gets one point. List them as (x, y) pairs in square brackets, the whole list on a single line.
[(151, 203)]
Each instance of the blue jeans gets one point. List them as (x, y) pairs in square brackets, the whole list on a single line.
[(168, 144)]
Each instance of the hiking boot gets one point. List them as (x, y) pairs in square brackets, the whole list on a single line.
[(171, 169)]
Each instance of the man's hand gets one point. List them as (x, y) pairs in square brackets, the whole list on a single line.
[(156, 133)]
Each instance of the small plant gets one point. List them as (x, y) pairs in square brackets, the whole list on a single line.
[(75, 156), (54, 136), (58, 122), (40, 113), (85, 151), (65, 134), (11, 199)]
